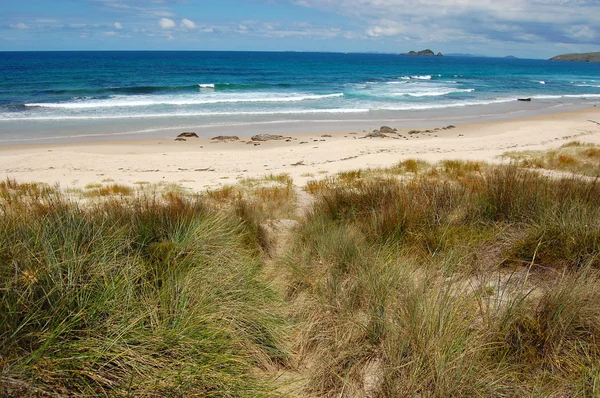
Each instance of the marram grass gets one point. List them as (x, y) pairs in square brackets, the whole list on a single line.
[(140, 297)]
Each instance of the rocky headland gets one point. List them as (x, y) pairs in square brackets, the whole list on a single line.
[(582, 57)]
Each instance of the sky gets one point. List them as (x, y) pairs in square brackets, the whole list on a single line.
[(523, 28)]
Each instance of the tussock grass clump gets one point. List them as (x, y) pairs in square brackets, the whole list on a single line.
[(10, 190), (575, 157), (108, 190), (146, 296), (479, 283)]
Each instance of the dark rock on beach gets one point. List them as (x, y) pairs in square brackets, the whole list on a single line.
[(180, 139), (226, 138), (376, 134), (267, 137), (524, 99), (387, 130), (188, 135)]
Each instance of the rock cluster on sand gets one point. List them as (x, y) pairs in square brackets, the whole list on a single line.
[(267, 137), (188, 135), (226, 138), (376, 134), (386, 132)]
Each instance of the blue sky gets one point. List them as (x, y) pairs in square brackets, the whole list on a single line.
[(524, 28)]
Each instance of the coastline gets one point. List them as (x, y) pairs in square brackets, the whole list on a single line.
[(48, 131), (199, 164)]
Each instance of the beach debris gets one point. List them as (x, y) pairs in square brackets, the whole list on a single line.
[(300, 163), (267, 137), (524, 99), (180, 139), (411, 132), (326, 136), (188, 134), (450, 127), (226, 138)]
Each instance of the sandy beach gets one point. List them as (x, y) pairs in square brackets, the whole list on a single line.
[(199, 164)]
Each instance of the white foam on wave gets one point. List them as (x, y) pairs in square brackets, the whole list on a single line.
[(438, 93), (542, 82), (144, 101), (206, 85), (418, 77), (19, 117), (396, 89)]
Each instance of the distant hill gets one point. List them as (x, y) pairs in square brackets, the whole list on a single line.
[(583, 57), (424, 53)]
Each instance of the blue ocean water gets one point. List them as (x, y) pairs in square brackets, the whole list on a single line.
[(43, 94)]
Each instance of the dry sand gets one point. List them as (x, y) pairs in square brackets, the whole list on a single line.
[(199, 164)]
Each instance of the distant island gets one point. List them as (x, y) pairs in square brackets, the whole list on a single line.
[(424, 53), (583, 57)]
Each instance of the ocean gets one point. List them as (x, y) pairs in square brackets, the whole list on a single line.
[(73, 96)]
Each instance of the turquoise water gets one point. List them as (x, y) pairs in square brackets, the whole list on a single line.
[(78, 94)]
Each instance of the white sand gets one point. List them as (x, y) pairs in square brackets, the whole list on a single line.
[(199, 164)]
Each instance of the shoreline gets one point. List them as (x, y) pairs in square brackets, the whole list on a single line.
[(42, 132), (199, 163)]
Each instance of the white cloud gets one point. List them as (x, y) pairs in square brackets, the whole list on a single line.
[(378, 31), (188, 24), (581, 32), (111, 33), (118, 25), (501, 21), (167, 23), (20, 25)]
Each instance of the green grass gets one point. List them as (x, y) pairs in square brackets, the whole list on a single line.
[(145, 297), (475, 281), (454, 279)]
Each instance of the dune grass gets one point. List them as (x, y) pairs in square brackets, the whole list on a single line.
[(137, 297), (477, 281), (454, 279), (575, 157)]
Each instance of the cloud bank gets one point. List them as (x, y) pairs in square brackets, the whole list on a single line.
[(565, 21)]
